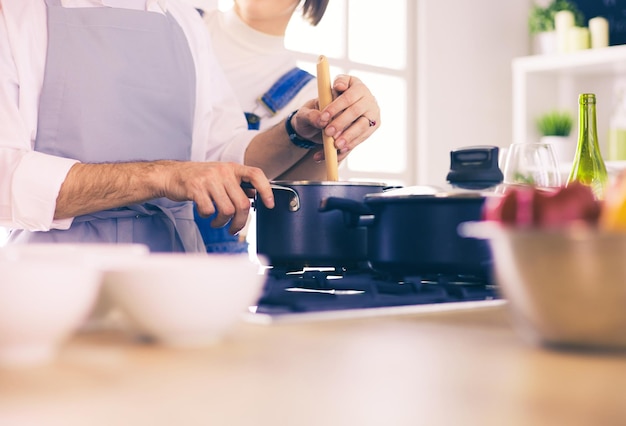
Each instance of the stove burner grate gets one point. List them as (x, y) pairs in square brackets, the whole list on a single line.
[(327, 289)]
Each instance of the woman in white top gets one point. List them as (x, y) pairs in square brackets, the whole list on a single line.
[(249, 42)]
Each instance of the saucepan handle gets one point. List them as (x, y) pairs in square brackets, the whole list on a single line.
[(354, 213), (294, 201)]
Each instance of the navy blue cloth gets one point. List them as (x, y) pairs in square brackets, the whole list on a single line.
[(218, 240)]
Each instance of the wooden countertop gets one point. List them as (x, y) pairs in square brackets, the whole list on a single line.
[(455, 368)]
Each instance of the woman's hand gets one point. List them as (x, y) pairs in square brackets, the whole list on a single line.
[(350, 118)]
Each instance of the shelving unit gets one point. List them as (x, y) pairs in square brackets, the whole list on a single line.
[(542, 83)]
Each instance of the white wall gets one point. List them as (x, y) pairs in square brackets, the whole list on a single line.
[(465, 48)]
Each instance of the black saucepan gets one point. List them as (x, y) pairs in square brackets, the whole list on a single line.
[(296, 233), (416, 234)]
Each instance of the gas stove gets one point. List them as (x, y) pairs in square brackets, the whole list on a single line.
[(317, 293)]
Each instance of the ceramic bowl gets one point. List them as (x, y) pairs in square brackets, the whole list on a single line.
[(99, 255), (42, 303), (106, 257), (103, 256), (565, 288), (185, 299)]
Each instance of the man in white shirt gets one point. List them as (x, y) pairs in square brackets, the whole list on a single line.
[(115, 116)]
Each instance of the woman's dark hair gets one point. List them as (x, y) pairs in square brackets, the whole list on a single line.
[(313, 10)]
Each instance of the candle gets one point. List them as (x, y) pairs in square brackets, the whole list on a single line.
[(578, 38), (599, 29), (563, 21)]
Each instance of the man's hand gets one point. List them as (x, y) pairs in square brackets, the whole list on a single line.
[(218, 185)]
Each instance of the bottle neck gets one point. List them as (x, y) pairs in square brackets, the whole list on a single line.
[(587, 128)]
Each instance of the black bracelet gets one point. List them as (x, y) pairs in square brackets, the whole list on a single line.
[(293, 136)]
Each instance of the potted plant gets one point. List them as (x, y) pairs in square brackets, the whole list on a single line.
[(541, 24), (555, 128)]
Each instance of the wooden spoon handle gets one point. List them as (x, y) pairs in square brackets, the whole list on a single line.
[(325, 95)]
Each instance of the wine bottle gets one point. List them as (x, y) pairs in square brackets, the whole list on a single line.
[(588, 167)]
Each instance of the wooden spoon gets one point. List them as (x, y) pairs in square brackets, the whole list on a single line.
[(325, 95)]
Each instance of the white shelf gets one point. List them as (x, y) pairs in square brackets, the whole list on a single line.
[(545, 82), (606, 61)]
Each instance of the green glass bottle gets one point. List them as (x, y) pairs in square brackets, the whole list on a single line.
[(588, 167)]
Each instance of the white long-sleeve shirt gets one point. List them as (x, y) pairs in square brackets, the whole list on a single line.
[(30, 180)]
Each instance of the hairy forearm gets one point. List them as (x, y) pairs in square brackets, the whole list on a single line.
[(212, 186), (90, 188)]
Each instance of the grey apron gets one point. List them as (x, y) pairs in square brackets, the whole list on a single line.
[(119, 86)]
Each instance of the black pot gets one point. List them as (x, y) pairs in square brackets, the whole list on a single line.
[(295, 233), (415, 234)]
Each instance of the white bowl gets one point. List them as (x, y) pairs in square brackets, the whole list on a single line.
[(185, 299), (103, 256), (100, 255), (106, 257), (42, 303), (565, 288)]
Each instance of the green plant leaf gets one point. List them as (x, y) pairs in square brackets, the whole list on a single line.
[(541, 19), (555, 123)]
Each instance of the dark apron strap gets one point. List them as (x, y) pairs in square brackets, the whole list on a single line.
[(254, 121), (281, 92)]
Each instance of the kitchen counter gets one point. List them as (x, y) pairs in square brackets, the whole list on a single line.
[(447, 368)]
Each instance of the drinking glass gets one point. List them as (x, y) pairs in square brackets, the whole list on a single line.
[(532, 164)]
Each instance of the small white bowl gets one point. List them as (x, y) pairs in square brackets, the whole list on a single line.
[(103, 256), (96, 253), (100, 255), (185, 299), (106, 257), (42, 303)]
